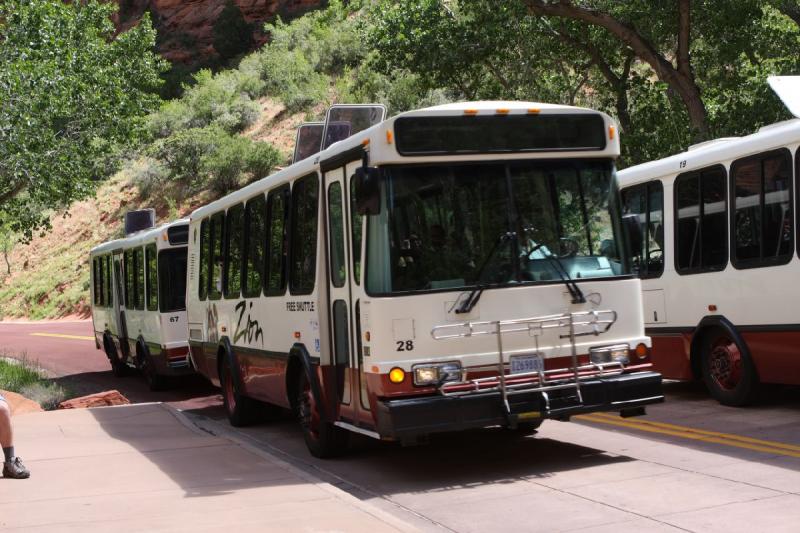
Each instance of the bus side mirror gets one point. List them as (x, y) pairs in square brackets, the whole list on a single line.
[(367, 190), (633, 229)]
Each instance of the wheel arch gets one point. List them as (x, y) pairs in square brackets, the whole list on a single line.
[(300, 361), (225, 354), (707, 325)]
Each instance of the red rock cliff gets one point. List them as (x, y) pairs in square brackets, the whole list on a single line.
[(186, 27)]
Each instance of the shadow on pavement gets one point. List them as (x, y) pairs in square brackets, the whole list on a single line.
[(200, 464)]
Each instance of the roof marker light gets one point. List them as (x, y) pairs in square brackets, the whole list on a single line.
[(533, 110), (611, 132), (389, 136), (502, 111), (365, 142), (470, 111)]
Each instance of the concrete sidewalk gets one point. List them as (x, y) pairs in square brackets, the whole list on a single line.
[(145, 468)]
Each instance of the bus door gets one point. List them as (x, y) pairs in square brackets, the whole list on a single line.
[(121, 327), (341, 313)]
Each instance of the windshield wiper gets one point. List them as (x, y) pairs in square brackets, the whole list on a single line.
[(475, 294), (573, 288)]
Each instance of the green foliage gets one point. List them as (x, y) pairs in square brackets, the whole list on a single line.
[(211, 158), (232, 34), (25, 377), (225, 100), (482, 49), (65, 82)]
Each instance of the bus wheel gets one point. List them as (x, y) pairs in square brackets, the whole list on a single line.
[(728, 371), (323, 439), (118, 367), (240, 408), (155, 381), (528, 428)]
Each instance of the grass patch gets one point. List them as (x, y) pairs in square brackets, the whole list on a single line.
[(25, 377)]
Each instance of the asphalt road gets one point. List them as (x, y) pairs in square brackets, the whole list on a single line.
[(689, 465)]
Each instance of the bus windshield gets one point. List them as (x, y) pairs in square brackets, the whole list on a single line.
[(461, 226)]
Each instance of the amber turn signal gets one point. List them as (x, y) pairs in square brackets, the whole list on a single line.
[(397, 375), (642, 351)]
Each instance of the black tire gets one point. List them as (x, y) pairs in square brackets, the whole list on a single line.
[(155, 381), (118, 366), (241, 410), (528, 427), (728, 371), (323, 439)]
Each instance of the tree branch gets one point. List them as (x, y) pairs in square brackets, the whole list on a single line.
[(679, 79), (684, 31)]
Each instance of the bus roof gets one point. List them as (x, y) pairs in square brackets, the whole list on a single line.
[(140, 237), (713, 152), (381, 153)]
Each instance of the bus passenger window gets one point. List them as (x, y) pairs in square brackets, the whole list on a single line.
[(152, 277), (305, 194), (109, 295), (276, 242), (254, 244), (701, 216), (96, 284), (233, 251), (139, 260), (646, 201), (762, 225), (202, 287), (215, 288), (129, 276)]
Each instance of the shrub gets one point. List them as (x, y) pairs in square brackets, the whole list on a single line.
[(212, 158)]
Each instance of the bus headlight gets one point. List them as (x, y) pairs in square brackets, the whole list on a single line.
[(435, 374), (610, 354)]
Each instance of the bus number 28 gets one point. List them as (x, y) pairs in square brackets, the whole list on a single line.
[(405, 346)]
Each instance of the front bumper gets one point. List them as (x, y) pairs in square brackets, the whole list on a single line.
[(405, 419)]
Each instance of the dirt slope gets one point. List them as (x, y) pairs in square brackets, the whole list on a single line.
[(50, 276)]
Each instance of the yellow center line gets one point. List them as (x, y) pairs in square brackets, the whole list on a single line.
[(728, 436), (62, 336), (736, 441)]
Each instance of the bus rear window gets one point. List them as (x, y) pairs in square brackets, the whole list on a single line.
[(172, 280), (500, 133)]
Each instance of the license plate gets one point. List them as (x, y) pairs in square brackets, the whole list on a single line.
[(521, 364)]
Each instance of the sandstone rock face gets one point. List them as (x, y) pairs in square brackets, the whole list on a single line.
[(185, 27), (101, 399), (19, 404)]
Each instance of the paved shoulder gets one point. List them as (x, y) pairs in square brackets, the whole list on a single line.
[(143, 467)]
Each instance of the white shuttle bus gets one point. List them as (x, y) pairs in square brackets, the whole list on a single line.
[(453, 267), (719, 261), (138, 296)]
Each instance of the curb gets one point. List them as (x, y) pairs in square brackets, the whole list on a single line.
[(204, 426)]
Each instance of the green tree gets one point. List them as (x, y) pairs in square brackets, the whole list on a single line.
[(232, 34), (70, 92), (671, 72)]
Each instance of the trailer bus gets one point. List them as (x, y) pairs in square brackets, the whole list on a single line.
[(718, 259), (138, 291), (454, 267)]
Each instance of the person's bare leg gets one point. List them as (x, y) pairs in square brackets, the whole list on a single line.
[(6, 436), (12, 465)]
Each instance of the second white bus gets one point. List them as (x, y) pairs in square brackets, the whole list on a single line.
[(719, 262)]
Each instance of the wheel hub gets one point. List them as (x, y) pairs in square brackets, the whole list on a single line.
[(726, 363)]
